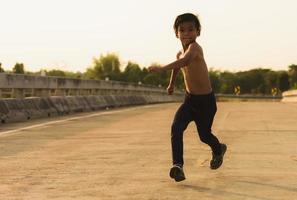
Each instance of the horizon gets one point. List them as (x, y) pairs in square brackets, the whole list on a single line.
[(122, 69), (67, 35)]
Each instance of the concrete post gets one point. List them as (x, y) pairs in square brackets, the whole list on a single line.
[(17, 93)]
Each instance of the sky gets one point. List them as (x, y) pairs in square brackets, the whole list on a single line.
[(236, 35)]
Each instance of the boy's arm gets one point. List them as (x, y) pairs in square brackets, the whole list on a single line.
[(188, 57), (173, 75), (174, 72), (170, 88)]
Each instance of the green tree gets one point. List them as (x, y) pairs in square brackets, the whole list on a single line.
[(132, 73), (1, 69), (242, 80), (254, 81), (74, 74), (258, 80), (152, 79), (271, 81), (106, 66), (179, 80), (215, 80), (293, 76), (55, 72), (19, 68), (283, 82), (144, 73), (157, 79), (227, 82)]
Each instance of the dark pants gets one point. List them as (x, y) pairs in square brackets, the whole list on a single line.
[(198, 108)]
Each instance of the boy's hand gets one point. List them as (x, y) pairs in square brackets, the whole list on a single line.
[(155, 69), (170, 89)]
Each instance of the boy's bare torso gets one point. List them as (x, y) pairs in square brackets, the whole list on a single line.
[(196, 76)]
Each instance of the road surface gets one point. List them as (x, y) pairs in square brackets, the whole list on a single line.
[(124, 154)]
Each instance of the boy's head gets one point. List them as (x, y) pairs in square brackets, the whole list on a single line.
[(187, 17)]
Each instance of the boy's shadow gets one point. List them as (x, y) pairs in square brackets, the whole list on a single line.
[(195, 187), (220, 192)]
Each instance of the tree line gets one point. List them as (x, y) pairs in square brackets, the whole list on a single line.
[(107, 67)]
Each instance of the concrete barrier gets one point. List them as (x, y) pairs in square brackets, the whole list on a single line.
[(43, 104), (24, 97), (3, 110), (96, 102), (21, 86), (290, 96), (12, 109)]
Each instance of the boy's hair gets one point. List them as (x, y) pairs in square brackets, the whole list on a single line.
[(187, 17)]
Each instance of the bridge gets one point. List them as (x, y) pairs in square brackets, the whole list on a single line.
[(124, 153)]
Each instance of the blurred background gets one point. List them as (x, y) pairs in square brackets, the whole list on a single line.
[(248, 45)]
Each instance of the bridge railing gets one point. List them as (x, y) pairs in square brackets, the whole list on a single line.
[(25, 97), (21, 86)]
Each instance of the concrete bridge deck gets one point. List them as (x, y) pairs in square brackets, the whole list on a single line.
[(125, 154)]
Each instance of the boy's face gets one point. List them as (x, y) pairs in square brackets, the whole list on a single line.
[(187, 32)]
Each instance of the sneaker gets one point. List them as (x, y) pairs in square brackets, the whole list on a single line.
[(217, 160), (177, 173)]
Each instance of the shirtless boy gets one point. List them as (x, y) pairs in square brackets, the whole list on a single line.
[(199, 104)]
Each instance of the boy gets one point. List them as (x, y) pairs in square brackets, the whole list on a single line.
[(199, 104)]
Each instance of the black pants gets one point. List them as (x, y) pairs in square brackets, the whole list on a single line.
[(198, 108)]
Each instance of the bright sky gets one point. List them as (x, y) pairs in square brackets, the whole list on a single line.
[(67, 34)]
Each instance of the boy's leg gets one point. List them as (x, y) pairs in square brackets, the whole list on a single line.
[(204, 115), (181, 120), (208, 137), (218, 149), (203, 120), (217, 160), (177, 173)]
